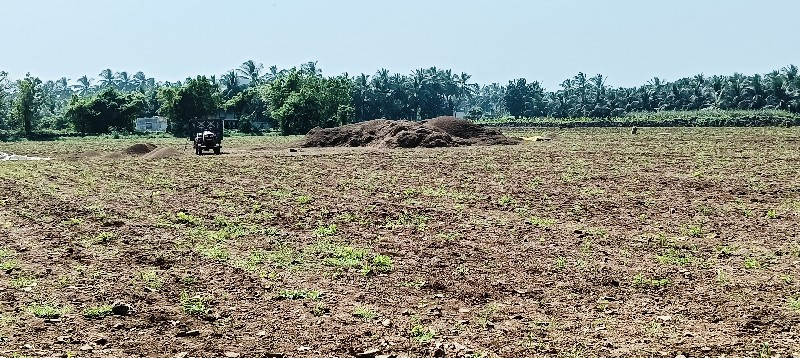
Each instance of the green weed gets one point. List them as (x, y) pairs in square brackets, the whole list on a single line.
[(364, 313), (97, 312), (194, 305), (422, 334), (47, 310)]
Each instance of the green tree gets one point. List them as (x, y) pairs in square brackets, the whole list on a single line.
[(108, 110), (198, 98), (26, 107), (4, 95), (301, 100)]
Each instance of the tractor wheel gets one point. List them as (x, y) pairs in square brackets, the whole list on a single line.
[(216, 150), (198, 151)]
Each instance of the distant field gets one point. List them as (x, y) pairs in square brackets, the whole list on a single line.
[(595, 243), (704, 118)]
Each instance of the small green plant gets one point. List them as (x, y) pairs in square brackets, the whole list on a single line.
[(752, 263), (47, 310), (213, 252), (382, 263), (72, 222), (771, 214), (485, 316), (794, 302), (505, 200), (9, 265), (422, 334), (364, 313), (299, 295), (186, 219), (97, 312), (151, 279), (561, 262), (194, 305), (418, 284), (304, 199), (541, 223), (676, 257), (346, 257), (765, 351), (24, 283), (694, 231), (103, 238), (641, 281), (325, 231)]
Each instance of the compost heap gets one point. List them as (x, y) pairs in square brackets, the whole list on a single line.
[(382, 133)]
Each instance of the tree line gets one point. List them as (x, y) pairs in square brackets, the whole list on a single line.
[(297, 99)]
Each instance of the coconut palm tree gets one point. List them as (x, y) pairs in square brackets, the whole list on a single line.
[(83, 85), (107, 78), (250, 72)]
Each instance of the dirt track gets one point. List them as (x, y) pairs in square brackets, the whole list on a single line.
[(593, 244)]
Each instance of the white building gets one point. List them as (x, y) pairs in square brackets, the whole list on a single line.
[(151, 124)]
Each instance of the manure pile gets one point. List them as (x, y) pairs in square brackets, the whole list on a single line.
[(383, 133)]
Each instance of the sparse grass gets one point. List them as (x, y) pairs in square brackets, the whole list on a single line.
[(24, 283), (299, 294), (364, 313), (422, 334), (752, 263), (485, 316), (216, 252), (323, 231), (542, 223), (97, 312), (644, 282), (151, 279), (694, 231), (47, 310), (186, 219), (794, 303), (195, 305), (382, 263), (676, 257)]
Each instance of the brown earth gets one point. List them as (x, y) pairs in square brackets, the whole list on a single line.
[(162, 153), (139, 149), (599, 244), (382, 133)]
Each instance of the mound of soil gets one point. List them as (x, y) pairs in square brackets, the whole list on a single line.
[(382, 133), (470, 132), (139, 149), (162, 153)]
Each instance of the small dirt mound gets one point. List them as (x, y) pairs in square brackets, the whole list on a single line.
[(139, 149), (382, 133), (162, 153), (90, 154)]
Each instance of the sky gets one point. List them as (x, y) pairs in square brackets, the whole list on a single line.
[(629, 41)]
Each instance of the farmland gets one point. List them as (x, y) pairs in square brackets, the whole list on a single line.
[(595, 243)]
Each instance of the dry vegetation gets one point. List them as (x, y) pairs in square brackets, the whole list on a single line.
[(596, 243)]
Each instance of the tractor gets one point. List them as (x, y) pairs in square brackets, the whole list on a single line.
[(206, 134)]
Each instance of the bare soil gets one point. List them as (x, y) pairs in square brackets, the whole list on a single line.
[(597, 243), (382, 133)]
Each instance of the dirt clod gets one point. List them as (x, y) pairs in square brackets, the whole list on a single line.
[(120, 309), (383, 133)]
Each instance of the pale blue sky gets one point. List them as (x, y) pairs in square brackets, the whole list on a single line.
[(630, 41)]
